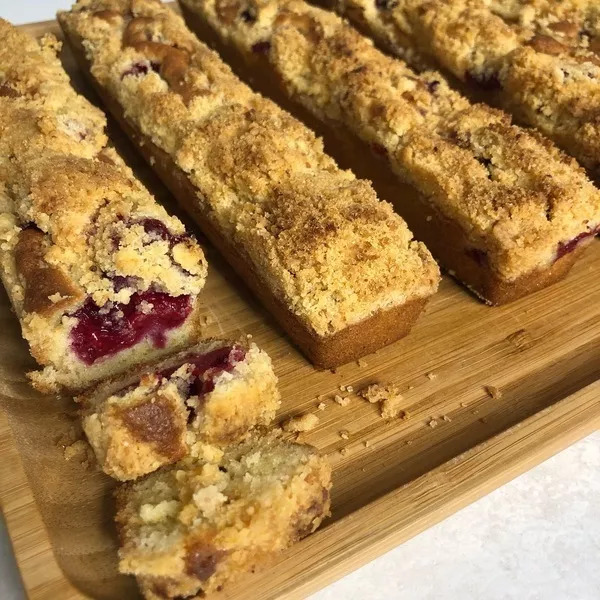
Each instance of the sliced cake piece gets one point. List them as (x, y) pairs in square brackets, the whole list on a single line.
[(499, 206), (189, 529), (539, 60), (337, 267), (100, 276), (213, 393)]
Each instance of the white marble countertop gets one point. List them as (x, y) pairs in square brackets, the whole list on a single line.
[(536, 538)]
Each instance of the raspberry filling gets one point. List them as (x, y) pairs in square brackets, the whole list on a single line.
[(141, 68), (102, 332), (207, 367), (566, 247)]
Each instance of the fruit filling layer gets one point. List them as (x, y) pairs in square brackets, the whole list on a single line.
[(566, 247), (101, 332), (207, 367)]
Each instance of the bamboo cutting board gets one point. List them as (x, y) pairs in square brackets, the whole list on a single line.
[(458, 443)]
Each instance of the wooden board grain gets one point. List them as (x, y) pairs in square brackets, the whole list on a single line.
[(458, 443)]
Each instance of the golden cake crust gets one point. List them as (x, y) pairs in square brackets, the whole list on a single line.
[(327, 247)]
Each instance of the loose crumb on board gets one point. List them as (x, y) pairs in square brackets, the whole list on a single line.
[(361, 362), (345, 434), (446, 418), (301, 423), (433, 423), (342, 400), (321, 406), (388, 396), (367, 443), (493, 392), (431, 375), (344, 451)]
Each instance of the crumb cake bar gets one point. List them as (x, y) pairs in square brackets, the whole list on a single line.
[(100, 276), (500, 207), (337, 267), (212, 393), (189, 529), (539, 59)]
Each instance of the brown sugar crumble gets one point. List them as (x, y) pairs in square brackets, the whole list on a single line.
[(301, 423)]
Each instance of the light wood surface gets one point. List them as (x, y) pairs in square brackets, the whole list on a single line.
[(542, 352)]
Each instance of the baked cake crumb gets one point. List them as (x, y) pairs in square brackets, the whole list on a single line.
[(345, 434), (342, 400), (431, 375), (344, 451), (388, 396), (433, 423), (305, 422), (446, 418), (321, 406), (188, 529), (367, 443)]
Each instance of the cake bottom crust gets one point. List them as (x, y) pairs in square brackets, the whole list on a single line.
[(380, 329), (445, 239)]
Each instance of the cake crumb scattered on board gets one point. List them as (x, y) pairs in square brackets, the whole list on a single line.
[(349, 389), (345, 434), (388, 396), (367, 443), (301, 423), (342, 400), (361, 362), (344, 451), (464, 404), (493, 392), (321, 406), (447, 418), (433, 423), (431, 375)]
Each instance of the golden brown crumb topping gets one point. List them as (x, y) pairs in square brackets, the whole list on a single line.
[(511, 190), (542, 57), (60, 180), (320, 237)]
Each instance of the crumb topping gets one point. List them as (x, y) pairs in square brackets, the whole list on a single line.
[(541, 57), (514, 193), (103, 232), (326, 245)]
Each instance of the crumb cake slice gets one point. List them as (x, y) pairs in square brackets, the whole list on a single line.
[(189, 529), (337, 267), (100, 276), (500, 207), (540, 60), (212, 393)]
